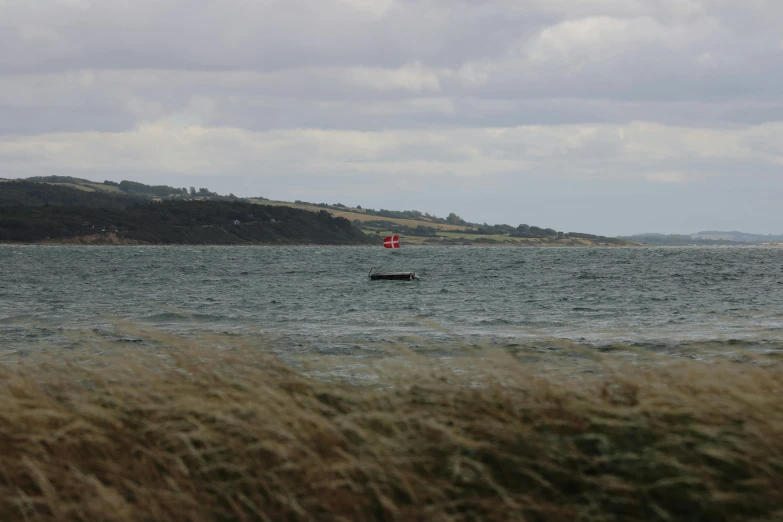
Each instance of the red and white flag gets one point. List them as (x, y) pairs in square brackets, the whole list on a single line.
[(391, 242)]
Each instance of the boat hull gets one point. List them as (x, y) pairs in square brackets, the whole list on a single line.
[(393, 276)]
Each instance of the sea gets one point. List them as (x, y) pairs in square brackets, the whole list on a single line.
[(319, 301)]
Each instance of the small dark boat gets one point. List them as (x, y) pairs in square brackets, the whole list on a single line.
[(393, 276)]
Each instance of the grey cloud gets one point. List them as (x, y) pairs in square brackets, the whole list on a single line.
[(26, 121), (598, 107), (261, 35)]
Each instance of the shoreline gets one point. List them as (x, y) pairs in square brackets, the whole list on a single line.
[(472, 245), (113, 240), (414, 245)]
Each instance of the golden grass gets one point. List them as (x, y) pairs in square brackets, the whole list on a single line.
[(88, 187), (445, 230), (83, 188), (188, 433), (361, 216)]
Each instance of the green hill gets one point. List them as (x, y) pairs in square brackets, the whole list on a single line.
[(413, 226), (131, 188), (36, 194), (33, 212)]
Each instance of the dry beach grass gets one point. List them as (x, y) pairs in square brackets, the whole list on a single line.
[(208, 434)]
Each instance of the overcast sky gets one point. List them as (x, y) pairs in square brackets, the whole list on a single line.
[(603, 116)]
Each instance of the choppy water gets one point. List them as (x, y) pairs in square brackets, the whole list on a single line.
[(320, 299)]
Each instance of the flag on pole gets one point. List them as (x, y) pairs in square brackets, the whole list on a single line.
[(391, 242)]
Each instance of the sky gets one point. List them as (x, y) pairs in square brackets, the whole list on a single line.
[(610, 117)]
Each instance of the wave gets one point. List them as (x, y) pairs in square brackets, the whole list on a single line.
[(495, 322), (186, 317)]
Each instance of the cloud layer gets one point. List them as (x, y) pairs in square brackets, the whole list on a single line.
[(502, 111)]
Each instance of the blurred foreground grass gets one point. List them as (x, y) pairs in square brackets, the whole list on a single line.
[(190, 432)]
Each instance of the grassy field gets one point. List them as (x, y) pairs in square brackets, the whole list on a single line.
[(452, 238), (360, 216), (216, 432), (84, 188), (89, 187), (451, 233)]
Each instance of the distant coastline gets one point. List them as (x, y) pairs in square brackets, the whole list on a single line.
[(58, 210), (77, 243), (706, 238), (62, 210), (112, 240)]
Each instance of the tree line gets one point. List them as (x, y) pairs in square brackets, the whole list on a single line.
[(43, 212)]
